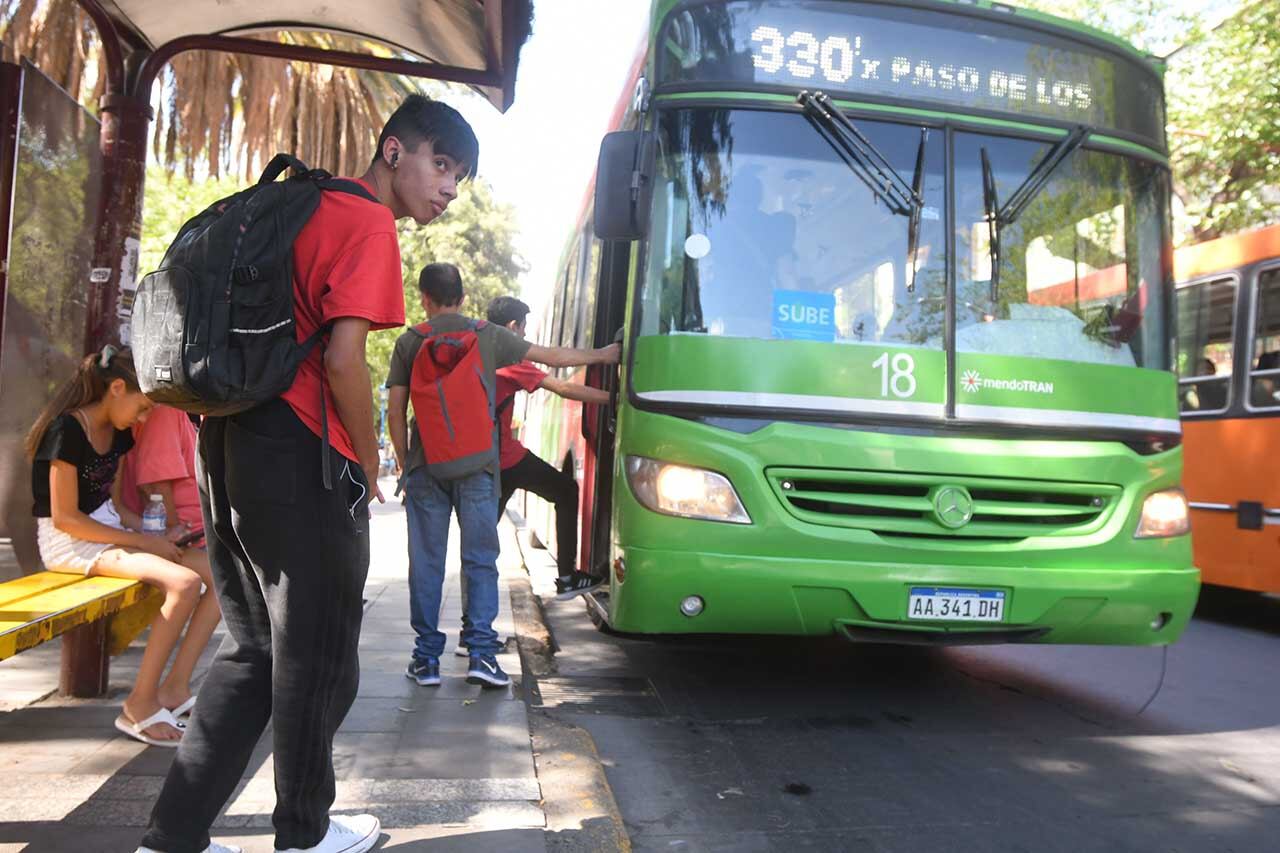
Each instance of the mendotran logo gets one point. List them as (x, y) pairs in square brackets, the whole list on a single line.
[(972, 381)]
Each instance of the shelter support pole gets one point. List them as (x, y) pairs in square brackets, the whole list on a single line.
[(126, 122)]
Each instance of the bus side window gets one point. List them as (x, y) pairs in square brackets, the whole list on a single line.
[(590, 284), (572, 303), (1264, 389), (1206, 323)]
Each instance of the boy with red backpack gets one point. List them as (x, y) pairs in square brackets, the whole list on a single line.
[(447, 367)]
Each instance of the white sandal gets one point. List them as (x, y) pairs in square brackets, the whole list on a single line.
[(136, 730), (185, 708)]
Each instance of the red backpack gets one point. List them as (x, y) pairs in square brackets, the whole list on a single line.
[(452, 400)]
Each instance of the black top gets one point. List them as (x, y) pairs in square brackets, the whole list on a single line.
[(65, 440)]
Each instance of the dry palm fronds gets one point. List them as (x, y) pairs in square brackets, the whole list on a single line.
[(220, 113)]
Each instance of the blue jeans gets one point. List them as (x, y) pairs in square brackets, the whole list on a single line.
[(430, 503)]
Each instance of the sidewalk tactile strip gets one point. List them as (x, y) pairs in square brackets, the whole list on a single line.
[(627, 697)]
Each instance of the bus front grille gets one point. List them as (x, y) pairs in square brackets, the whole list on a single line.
[(908, 504)]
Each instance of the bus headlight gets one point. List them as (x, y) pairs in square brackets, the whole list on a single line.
[(1164, 513), (688, 492)]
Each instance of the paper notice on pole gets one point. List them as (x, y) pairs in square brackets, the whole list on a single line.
[(128, 286)]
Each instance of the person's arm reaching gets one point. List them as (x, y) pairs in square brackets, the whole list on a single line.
[(348, 376), (398, 423), (570, 357), (576, 391)]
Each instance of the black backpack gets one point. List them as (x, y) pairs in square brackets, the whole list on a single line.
[(213, 329)]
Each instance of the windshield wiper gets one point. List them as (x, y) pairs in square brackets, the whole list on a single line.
[(913, 222), (998, 215), (1035, 182), (991, 212), (875, 170), (863, 158)]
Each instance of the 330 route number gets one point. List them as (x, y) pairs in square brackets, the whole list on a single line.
[(897, 375)]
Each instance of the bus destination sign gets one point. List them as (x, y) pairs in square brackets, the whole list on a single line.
[(906, 55)]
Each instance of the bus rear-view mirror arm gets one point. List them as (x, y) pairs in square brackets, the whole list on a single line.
[(624, 185)]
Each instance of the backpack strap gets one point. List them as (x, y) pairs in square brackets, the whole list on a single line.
[(326, 468), (278, 164), (342, 185)]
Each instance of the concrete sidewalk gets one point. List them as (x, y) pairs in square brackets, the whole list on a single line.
[(444, 768)]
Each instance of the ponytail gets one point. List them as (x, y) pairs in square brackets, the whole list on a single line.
[(89, 385)]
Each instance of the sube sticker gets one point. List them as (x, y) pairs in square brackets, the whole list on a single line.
[(803, 315)]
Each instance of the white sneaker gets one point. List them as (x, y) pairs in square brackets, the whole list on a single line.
[(347, 834), (213, 847)]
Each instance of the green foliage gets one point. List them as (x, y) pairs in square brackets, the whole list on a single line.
[(1223, 88), (169, 200), (1224, 125)]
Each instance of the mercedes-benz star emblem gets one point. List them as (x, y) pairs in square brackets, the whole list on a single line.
[(953, 506)]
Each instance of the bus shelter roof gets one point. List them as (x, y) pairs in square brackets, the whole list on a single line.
[(475, 42)]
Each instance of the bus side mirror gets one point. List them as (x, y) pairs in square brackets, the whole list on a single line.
[(624, 185)]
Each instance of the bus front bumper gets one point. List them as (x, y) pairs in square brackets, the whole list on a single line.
[(868, 602)]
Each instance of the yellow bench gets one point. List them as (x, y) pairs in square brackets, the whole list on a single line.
[(95, 616)]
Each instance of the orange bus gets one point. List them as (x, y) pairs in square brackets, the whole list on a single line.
[(1228, 365)]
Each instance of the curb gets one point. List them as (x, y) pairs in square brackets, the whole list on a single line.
[(581, 811)]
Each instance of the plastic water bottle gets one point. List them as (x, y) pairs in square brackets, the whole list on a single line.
[(153, 517)]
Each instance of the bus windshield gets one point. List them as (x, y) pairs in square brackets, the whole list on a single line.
[(761, 230), (1080, 271)]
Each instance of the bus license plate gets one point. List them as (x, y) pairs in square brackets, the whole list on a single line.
[(950, 604)]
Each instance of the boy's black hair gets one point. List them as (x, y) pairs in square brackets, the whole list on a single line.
[(442, 283), (506, 309), (421, 119)]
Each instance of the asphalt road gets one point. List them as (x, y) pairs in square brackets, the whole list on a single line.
[(760, 744)]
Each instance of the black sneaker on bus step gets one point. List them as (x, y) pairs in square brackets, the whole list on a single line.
[(576, 584)]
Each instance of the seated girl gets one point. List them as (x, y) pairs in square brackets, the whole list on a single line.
[(75, 447)]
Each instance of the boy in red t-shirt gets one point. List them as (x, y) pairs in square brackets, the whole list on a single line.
[(522, 469), (289, 555)]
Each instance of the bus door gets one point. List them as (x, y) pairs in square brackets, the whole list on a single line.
[(600, 429)]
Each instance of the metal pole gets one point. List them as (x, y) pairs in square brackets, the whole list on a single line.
[(125, 124)]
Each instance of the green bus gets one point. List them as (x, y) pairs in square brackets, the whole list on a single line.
[(894, 287)]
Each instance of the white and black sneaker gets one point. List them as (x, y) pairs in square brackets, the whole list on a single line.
[(576, 584), (485, 671), (214, 847), (347, 834)]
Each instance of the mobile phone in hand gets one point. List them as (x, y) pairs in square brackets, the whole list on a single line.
[(193, 536)]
